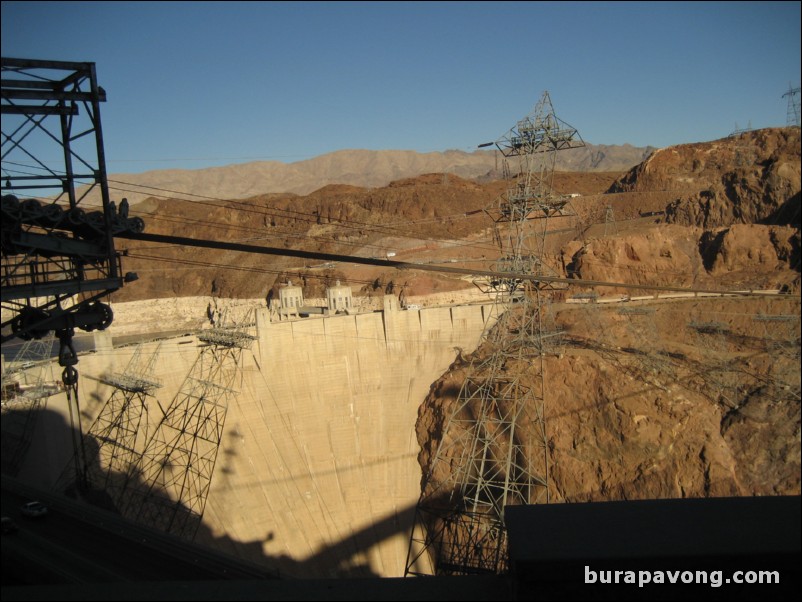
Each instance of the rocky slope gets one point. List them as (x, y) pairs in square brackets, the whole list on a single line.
[(748, 256), (645, 406), (417, 217), (730, 219), (753, 177)]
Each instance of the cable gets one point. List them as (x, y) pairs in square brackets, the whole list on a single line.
[(206, 264), (304, 217), (312, 218), (226, 227), (402, 265)]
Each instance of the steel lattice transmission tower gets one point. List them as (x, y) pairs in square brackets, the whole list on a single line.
[(120, 430), (792, 115), (178, 461), (645, 337), (493, 451), (723, 376), (27, 383), (782, 342)]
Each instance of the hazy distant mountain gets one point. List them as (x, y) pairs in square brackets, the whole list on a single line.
[(356, 167)]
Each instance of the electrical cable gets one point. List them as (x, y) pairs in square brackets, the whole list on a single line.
[(312, 218), (403, 265)]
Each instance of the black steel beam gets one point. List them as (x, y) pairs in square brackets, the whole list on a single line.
[(56, 244), (27, 84), (37, 110), (12, 63), (19, 94), (63, 287), (53, 177), (36, 187)]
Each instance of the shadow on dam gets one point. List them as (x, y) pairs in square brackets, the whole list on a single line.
[(150, 506), (551, 547)]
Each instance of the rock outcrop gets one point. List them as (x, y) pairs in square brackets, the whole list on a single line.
[(750, 178), (682, 398), (734, 221), (643, 408)]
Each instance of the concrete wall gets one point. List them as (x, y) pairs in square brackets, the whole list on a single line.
[(317, 474)]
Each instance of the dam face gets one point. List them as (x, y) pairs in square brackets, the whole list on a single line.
[(317, 472)]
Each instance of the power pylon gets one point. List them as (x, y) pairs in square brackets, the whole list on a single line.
[(178, 461), (120, 430), (781, 333), (782, 342), (610, 227), (792, 113), (493, 451), (721, 372), (646, 342), (27, 383)]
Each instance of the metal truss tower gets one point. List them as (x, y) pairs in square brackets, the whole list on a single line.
[(120, 430), (646, 343), (722, 374), (27, 383), (782, 342), (610, 227), (177, 464), (493, 451), (792, 114), (58, 255)]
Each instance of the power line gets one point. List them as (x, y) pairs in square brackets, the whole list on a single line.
[(353, 224), (307, 217), (248, 229), (312, 218), (403, 265), (240, 268)]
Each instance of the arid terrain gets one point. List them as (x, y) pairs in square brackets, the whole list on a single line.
[(711, 415)]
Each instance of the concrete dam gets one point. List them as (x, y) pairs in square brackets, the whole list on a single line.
[(316, 474)]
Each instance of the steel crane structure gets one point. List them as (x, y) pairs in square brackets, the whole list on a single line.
[(27, 384), (120, 430), (58, 257)]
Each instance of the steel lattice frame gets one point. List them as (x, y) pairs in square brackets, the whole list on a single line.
[(483, 461), (52, 249), (178, 462), (722, 374), (646, 343), (120, 430), (27, 383), (782, 341), (792, 113)]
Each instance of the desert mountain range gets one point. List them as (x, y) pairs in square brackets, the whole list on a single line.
[(364, 168)]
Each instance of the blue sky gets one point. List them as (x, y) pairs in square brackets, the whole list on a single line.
[(197, 84)]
